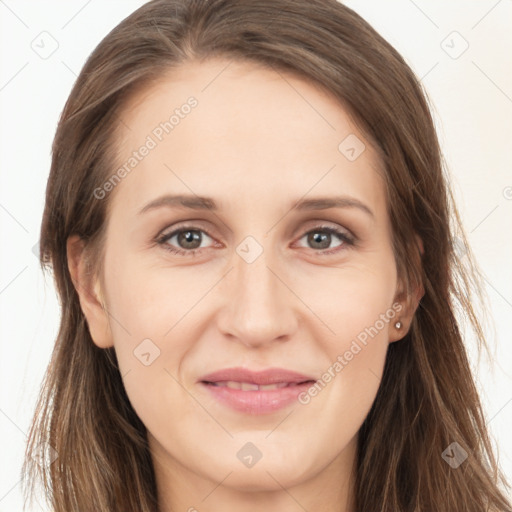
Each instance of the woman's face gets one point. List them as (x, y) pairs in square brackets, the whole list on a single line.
[(259, 283)]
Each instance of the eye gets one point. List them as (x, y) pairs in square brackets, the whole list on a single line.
[(321, 238), (188, 240)]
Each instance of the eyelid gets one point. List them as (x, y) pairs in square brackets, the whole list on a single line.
[(192, 225), (319, 223)]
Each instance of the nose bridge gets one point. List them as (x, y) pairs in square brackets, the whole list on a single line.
[(260, 306), (255, 283)]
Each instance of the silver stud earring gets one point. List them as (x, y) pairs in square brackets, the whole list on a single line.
[(398, 325)]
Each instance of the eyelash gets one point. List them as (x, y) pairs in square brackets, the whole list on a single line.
[(347, 241)]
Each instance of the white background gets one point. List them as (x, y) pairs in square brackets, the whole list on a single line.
[(472, 98)]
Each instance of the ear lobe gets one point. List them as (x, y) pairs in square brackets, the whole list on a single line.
[(89, 292), (405, 316)]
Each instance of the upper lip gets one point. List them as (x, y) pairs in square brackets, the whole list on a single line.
[(268, 376)]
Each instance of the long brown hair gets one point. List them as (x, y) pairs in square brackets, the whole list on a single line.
[(427, 399)]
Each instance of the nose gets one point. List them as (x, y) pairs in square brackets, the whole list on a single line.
[(261, 308)]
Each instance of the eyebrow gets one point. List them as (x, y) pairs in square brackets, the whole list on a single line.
[(193, 202)]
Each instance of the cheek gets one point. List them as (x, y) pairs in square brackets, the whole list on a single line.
[(149, 325), (350, 381), (357, 306), (350, 298), (153, 310), (149, 300)]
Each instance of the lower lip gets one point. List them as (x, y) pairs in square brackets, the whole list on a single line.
[(256, 401)]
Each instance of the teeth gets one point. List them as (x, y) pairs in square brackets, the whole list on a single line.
[(248, 386), (274, 386)]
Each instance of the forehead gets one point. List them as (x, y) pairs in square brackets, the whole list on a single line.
[(238, 88), (220, 127)]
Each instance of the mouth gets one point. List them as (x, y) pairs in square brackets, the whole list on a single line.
[(251, 386), (255, 392), (254, 399)]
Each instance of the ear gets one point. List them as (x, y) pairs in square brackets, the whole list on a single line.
[(408, 302), (89, 292)]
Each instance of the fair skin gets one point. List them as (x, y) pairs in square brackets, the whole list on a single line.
[(257, 142)]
